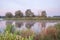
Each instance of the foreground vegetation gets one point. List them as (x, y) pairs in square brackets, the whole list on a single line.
[(51, 33), (12, 34)]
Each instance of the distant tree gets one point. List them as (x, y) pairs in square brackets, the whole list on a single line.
[(18, 14), (8, 15), (29, 13), (43, 14), (0, 16)]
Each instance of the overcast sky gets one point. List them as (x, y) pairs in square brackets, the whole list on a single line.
[(52, 7)]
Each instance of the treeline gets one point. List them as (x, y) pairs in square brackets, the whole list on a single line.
[(28, 13)]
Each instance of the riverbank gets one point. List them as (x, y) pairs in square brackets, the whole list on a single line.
[(33, 18)]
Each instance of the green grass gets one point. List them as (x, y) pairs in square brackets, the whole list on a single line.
[(9, 35)]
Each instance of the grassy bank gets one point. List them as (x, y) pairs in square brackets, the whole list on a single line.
[(33, 18)]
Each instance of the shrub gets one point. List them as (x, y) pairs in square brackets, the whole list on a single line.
[(27, 33)]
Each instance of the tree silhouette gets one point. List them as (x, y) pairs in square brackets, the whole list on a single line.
[(18, 14), (43, 14), (8, 15), (29, 13)]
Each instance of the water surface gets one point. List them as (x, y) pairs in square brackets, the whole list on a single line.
[(36, 26)]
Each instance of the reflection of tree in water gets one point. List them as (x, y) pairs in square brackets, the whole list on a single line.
[(9, 22), (29, 24), (43, 24), (18, 24), (9, 26)]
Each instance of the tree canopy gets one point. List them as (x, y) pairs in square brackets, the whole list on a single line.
[(29, 13), (9, 15), (18, 14), (43, 14)]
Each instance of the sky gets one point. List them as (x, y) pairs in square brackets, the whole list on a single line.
[(52, 7)]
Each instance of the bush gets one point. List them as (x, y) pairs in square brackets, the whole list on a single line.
[(27, 33)]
